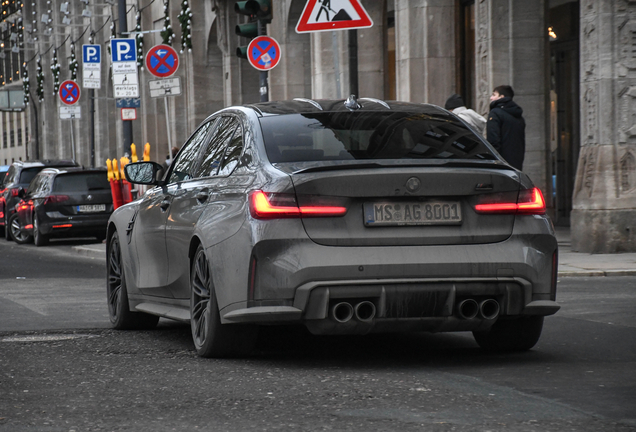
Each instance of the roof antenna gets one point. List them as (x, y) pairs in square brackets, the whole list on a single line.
[(352, 103)]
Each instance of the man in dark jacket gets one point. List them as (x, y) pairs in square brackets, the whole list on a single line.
[(506, 128)]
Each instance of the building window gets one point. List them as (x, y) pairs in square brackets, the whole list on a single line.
[(4, 139), (12, 138), (19, 137)]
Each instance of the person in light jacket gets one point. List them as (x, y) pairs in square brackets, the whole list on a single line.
[(455, 104)]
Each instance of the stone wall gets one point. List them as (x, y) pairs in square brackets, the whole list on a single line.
[(604, 208)]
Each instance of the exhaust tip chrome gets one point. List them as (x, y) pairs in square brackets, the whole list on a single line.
[(468, 309), (342, 312), (489, 309), (365, 311)]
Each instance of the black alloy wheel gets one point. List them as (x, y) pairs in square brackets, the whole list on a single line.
[(117, 296), (15, 230), (511, 334), (38, 238), (210, 337)]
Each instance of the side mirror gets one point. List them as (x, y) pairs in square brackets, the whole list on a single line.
[(143, 173), (21, 192)]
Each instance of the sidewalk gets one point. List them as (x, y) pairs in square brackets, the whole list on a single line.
[(570, 263)]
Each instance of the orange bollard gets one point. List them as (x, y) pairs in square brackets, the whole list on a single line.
[(147, 152), (115, 187), (133, 153)]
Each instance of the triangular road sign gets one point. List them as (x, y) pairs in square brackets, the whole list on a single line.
[(326, 15)]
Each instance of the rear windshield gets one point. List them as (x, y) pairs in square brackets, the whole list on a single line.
[(369, 135), (27, 174), (81, 182)]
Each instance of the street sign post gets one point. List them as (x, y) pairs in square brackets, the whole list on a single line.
[(162, 61), (69, 92), (123, 54), (129, 113), (91, 66), (320, 15), (263, 53), (128, 103)]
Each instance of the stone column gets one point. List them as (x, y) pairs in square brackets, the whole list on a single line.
[(511, 48), (425, 54), (604, 203)]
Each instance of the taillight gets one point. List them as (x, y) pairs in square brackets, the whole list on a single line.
[(275, 205), (23, 205), (54, 199), (529, 202), (14, 192)]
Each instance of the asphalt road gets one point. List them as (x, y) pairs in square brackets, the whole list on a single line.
[(62, 369)]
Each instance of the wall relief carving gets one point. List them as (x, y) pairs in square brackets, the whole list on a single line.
[(590, 115), (627, 171), (483, 78)]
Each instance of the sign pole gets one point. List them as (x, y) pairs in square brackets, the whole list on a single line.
[(92, 99), (72, 139), (170, 155), (123, 30)]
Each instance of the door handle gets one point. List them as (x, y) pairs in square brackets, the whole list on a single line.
[(202, 197), (165, 204)]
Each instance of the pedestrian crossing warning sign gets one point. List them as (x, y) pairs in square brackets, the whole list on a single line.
[(326, 15)]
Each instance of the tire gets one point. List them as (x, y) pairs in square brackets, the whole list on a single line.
[(509, 335), (38, 238), (14, 230), (117, 295), (210, 337)]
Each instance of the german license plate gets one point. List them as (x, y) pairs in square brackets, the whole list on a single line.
[(412, 213), (93, 208)]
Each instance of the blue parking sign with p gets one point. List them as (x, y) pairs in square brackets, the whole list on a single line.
[(123, 50), (91, 53)]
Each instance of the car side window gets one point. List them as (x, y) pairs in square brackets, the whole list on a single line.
[(185, 164), (213, 154), (232, 153)]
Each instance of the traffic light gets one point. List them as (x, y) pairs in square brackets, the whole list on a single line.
[(259, 13)]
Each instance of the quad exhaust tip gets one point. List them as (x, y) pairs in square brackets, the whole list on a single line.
[(342, 312), (363, 311), (487, 309), (468, 309)]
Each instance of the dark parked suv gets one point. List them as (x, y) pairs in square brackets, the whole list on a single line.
[(63, 202), (19, 176)]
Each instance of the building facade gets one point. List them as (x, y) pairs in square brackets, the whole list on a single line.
[(572, 64)]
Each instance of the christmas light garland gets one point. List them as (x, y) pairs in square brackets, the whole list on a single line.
[(40, 78), (166, 33), (185, 18), (72, 64), (55, 71), (140, 42)]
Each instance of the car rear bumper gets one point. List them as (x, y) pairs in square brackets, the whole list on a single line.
[(75, 226), (409, 288)]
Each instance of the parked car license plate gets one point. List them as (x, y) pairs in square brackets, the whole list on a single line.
[(93, 208), (412, 213)]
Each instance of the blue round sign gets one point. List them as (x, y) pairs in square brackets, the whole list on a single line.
[(69, 92), (162, 61), (263, 53)]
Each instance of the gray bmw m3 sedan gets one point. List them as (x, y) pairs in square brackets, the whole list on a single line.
[(347, 217)]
